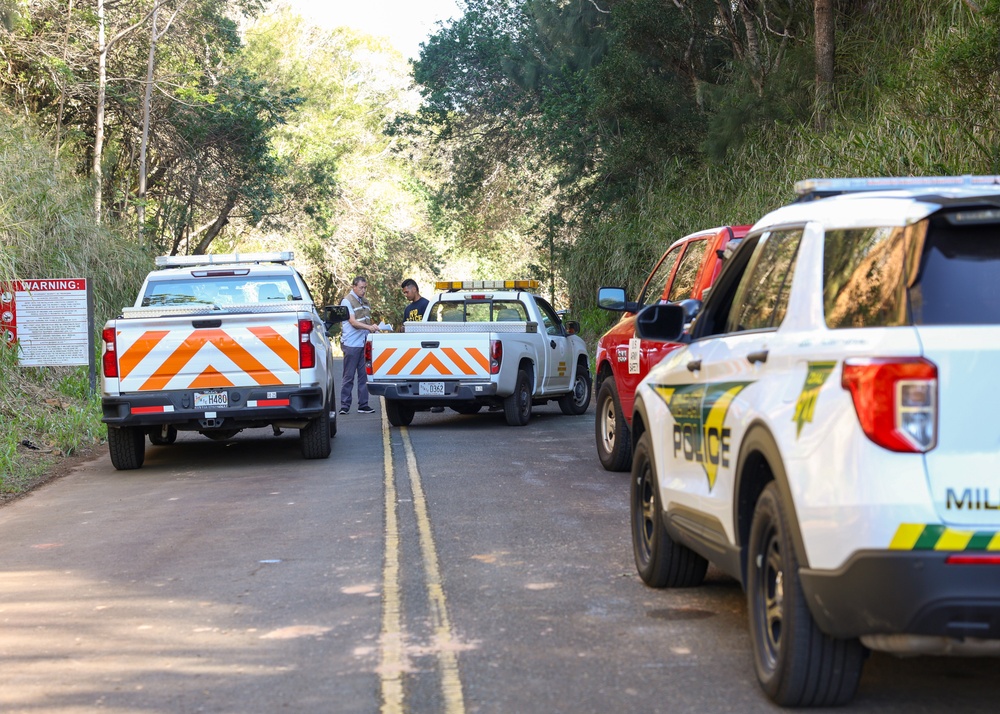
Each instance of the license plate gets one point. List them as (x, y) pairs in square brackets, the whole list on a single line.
[(431, 389), (203, 400)]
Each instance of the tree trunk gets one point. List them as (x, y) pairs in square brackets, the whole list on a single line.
[(146, 102), (62, 91), (825, 31), (102, 81), (217, 226)]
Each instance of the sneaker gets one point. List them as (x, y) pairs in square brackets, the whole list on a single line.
[(344, 410), (365, 410)]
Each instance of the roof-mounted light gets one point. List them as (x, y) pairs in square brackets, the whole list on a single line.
[(179, 261), (487, 285), (829, 186)]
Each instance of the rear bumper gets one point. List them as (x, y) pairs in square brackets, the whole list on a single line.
[(408, 391), (248, 407), (905, 593)]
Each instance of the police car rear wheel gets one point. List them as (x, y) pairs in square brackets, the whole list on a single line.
[(398, 414), (314, 438), (127, 446), (614, 447), (796, 663), (661, 562), (517, 407)]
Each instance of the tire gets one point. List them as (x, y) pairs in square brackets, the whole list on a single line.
[(314, 437), (156, 437), (517, 407), (797, 664), (661, 562), (398, 414), (333, 424), (576, 402), (611, 432), (127, 446), (468, 408)]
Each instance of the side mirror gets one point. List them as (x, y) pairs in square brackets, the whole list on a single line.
[(661, 322), (333, 314), (616, 300), (572, 327)]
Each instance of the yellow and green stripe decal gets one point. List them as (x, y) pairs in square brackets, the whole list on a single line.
[(918, 536)]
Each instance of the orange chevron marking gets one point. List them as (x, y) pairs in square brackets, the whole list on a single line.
[(431, 360), (174, 364), (211, 377), (277, 344), (138, 351), (459, 362), (383, 358), (404, 360), (477, 355)]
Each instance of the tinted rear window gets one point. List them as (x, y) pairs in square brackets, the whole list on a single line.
[(930, 273)]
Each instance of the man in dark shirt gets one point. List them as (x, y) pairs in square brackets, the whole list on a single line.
[(415, 310)]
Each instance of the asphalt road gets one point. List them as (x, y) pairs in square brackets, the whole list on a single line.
[(238, 577)]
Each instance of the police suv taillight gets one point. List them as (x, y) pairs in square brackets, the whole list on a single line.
[(110, 358), (496, 356), (307, 350), (896, 401)]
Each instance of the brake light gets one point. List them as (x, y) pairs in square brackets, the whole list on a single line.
[(368, 356), (496, 356), (896, 401), (110, 359), (307, 350), (973, 559)]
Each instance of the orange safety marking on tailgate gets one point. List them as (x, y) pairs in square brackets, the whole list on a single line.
[(211, 377), (459, 362), (278, 344), (382, 358), (431, 360), (190, 347), (479, 357), (404, 360), (137, 352)]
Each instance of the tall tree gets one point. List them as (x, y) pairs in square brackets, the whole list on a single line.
[(825, 39)]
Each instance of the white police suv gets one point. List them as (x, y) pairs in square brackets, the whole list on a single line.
[(826, 435)]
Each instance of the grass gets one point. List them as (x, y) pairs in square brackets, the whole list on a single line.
[(47, 230)]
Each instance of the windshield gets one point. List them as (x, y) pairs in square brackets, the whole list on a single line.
[(220, 291)]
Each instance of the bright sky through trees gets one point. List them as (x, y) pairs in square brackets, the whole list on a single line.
[(406, 23)]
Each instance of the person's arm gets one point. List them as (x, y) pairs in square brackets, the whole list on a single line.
[(357, 324)]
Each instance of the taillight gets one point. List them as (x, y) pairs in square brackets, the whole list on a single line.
[(368, 356), (496, 356), (307, 350), (896, 401), (110, 358)]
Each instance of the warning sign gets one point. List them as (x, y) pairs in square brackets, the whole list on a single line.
[(48, 320)]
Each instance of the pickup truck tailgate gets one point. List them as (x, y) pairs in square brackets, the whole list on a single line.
[(464, 356), (195, 352)]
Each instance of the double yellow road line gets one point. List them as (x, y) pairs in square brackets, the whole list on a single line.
[(392, 645)]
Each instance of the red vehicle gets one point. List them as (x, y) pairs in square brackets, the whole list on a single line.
[(687, 270)]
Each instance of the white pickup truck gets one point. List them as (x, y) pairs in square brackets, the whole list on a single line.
[(481, 343), (218, 344)]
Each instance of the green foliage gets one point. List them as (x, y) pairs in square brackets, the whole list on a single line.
[(47, 230)]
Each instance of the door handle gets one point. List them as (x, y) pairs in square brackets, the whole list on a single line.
[(552, 344), (694, 365), (759, 356), (430, 345), (203, 324)]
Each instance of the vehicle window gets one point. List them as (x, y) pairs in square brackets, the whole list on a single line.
[(220, 291), (864, 277), (447, 312), (687, 271), (477, 312), (957, 280), (714, 319), (656, 283), (509, 312), (764, 290), (549, 318)]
